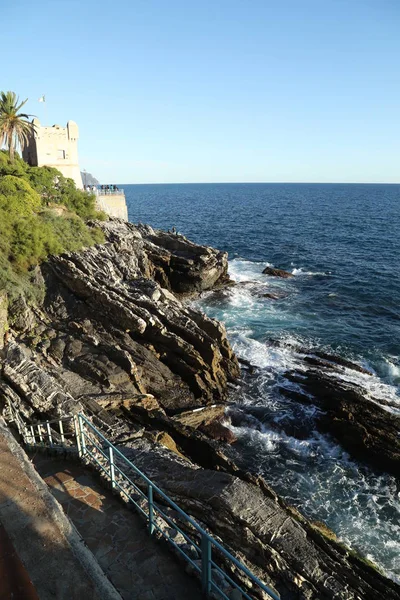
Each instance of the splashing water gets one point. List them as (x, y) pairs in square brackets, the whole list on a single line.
[(308, 469)]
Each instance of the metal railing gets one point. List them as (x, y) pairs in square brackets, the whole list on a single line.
[(100, 192), (58, 434), (205, 555)]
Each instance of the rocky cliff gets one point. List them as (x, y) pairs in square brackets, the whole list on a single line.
[(116, 337)]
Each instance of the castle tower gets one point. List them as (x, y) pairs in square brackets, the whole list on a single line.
[(55, 147)]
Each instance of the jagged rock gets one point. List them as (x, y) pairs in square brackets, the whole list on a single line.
[(272, 272), (200, 416), (21, 315), (218, 431), (34, 384), (127, 321), (363, 425)]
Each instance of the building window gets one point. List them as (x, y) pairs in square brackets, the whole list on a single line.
[(61, 154)]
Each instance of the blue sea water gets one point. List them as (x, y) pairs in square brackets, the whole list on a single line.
[(341, 242)]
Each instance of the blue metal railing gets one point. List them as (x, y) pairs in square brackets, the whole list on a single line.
[(104, 455), (78, 433)]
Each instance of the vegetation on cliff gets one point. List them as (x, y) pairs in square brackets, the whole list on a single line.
[(41, 213)]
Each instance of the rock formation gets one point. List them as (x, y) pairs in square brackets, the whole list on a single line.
[(116, 337), (272, 272)]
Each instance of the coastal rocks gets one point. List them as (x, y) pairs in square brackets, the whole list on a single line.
[(108, 330), (122, 330), (272, 272), (274, 541), (32, 385), (366, 428), (114, 338)]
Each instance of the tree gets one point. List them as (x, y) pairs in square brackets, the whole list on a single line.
[(14, 125)]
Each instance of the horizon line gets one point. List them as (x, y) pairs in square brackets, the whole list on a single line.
[(265, 182)]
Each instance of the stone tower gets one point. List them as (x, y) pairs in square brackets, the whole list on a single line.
[(55, 146)]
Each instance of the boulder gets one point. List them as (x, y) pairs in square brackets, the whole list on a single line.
[(272, 272)]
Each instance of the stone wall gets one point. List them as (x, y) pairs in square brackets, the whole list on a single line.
[(114, 205)]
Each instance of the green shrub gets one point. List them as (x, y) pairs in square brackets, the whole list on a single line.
[(31, 228)]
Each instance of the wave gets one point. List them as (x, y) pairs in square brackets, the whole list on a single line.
[(300, 271)]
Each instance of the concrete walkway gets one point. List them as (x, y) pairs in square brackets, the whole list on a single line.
[(41, 554), (139, 567)]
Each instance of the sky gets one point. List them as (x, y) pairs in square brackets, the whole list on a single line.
[(214, 90)]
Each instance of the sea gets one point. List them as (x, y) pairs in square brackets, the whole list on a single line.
[(342, 244)]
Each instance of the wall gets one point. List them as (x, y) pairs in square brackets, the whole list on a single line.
[(114, 205), (57, 147)]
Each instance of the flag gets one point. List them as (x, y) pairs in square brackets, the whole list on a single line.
[(42, 99)]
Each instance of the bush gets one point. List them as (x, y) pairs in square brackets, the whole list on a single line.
[(30, 226)]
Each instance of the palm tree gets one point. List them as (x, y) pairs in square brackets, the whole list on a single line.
[(14, 126)]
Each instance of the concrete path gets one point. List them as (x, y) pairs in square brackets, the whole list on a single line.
[(41, 554), (139, 567)]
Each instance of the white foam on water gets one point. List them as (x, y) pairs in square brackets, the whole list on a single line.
[(259, 354), (320, 479), (247, 270), (300, 271), (315, 474), (373, 388), (392, 368)]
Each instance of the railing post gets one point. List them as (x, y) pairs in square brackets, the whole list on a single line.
[(82, 435), (61, 428), (49, 433), (112, 470), (151, 509), (205, 565), (77, 435)]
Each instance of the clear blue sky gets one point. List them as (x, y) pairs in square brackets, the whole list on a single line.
[(215, 90)]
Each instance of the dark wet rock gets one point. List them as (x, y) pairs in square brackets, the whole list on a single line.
[(246, 364), (364, 426), (218, 431), (272, 272), (271, 296), (343, 362)]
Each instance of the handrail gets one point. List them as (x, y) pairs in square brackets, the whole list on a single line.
[(82, 432), (100, 192), (207, 541)]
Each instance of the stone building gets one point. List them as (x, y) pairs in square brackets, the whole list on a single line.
[(55, 146)]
